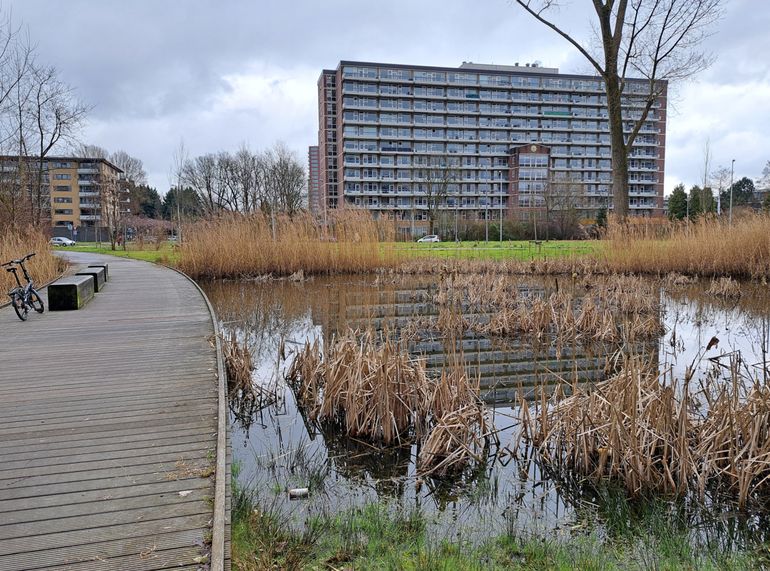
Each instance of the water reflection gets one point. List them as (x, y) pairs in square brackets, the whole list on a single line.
[(279, 449)]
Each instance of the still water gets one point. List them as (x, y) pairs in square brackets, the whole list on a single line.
[(277, 449)]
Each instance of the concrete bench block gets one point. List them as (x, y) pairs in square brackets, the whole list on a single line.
[(99, 274), (71, 292), (106, 270)]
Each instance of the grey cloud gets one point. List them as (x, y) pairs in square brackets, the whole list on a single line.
[(157, 70)]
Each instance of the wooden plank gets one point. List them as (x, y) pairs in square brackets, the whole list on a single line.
[(26, 508), (41, 542), (87, 458), (114, 416), (94, 552)]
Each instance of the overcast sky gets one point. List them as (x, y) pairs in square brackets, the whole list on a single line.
[(219, 74)]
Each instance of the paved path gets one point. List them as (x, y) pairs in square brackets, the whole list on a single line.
[(108, 428)]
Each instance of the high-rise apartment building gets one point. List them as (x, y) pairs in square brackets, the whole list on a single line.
[(488, 140), (314, 180)]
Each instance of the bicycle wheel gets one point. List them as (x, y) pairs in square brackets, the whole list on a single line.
[(21, 309), (36, 302)]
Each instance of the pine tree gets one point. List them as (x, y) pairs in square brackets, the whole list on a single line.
[(677, 203)]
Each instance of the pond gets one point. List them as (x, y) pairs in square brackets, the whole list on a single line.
[(278, 449)]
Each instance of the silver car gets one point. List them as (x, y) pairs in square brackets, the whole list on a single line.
[(61, 241)]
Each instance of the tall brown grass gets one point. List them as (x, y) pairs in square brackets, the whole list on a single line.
[(370, 387), (655, 433), (249, 245), (374, 390), (42, 268), (708, 247)]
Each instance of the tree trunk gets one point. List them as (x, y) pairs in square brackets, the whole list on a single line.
[(619, 151)]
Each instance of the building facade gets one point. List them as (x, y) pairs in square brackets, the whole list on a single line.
[(314, 180), (84, 192), (486, 140)]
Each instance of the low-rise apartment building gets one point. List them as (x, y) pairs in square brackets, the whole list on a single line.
[(78, 193)]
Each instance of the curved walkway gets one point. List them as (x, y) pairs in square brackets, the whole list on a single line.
[(108, 428)]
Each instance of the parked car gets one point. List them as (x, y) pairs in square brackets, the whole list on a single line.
[(430, 238), (61, 241)]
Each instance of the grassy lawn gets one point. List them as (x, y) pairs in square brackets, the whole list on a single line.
[(165, 254), (508, 250), (517, 250)]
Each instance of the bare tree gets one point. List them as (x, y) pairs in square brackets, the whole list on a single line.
[(111, 208), (437, 175), (654, 40), (132, 167), (721, 178), (91, 151), (561, 200), (286, 183)]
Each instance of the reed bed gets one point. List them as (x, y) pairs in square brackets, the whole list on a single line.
[(43, 268), (372, 388), (631, 428), (726, 288), (461, 431), (578, 266), (708, 247), (656, 434), (246, 397), (235, 246), (610, 309)]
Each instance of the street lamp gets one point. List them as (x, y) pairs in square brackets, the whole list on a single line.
[(732, 170)]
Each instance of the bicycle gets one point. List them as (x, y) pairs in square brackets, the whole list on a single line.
[(23, 298)]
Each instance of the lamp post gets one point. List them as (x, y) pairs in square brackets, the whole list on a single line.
[(732, 170)]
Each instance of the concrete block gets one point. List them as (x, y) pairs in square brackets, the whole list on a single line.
[(99, 274), (71, 292)]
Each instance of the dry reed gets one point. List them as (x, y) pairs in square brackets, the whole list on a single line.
[(707, 247), (249, 245), (724, 287), (655, 434), (460, 426), (631, 428), (373, 389), (42, 268)]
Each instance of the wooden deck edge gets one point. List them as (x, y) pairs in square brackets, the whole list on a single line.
[(218, 554)]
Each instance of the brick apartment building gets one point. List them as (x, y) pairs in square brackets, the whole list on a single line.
[(513, 139)]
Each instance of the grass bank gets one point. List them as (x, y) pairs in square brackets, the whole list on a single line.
[(164, 253), (653, 535), (523, 250), (42, 268)]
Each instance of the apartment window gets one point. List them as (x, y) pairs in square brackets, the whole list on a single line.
[(63, 211), (62, 176), (63, 200), (62, 188), (62, 165)]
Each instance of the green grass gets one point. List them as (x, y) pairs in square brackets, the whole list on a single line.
[(507, 250), (166, 254), (385, 536)]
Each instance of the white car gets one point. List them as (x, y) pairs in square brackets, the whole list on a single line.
[(430, 238), (61, 241)]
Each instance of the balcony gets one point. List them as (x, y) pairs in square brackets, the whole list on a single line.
[(89, 217), (88, 170)]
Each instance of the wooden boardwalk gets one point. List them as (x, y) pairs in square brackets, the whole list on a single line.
[(108, 429)]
